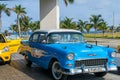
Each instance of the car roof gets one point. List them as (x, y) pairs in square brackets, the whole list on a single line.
[(58, 30)]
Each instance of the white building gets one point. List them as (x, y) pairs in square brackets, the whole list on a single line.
[(49, 14)]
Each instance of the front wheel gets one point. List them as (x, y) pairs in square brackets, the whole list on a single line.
[(100, 74), (8, 62), (56, 71)]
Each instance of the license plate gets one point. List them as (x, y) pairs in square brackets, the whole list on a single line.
[(94, 69)]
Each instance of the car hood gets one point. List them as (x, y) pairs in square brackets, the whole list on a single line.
[(82, 50), (2, 45)]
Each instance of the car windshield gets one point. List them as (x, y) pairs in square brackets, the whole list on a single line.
[(12, 37), (65, 37)]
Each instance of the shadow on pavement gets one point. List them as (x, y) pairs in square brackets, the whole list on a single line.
[(116, 72), (37, 73)]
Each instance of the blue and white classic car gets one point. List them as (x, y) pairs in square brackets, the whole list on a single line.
[(64, 52)]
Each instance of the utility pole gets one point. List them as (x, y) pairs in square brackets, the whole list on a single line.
[(113, 26)]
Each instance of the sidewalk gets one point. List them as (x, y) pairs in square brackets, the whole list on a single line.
[(101, 41)]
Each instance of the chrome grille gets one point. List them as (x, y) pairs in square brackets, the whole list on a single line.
[(91, 62)]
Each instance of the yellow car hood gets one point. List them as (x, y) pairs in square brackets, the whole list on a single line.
[(2, 45)]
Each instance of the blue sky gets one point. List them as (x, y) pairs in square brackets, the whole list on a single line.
[(81, 9)]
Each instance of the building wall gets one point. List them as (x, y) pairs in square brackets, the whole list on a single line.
[(49, 14)]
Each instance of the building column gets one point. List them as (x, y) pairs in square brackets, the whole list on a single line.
[(49, 14)]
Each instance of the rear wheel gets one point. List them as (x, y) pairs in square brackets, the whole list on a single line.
[(100, 74), (56, 71), (28, 62), (8, 62)]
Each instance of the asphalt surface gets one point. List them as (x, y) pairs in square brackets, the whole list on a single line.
[(17, 70)]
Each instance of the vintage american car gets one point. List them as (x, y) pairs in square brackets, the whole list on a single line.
[(64, 52), (14, 43), (7, 47)]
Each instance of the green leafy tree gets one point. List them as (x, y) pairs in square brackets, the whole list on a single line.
[(81, 25), (118, 29), (14, 28), (103, 27), (4, 9), (25, 23), (34, 25), (68, 23), (95, 21), (88, 27), (19, 11), (68, 1)]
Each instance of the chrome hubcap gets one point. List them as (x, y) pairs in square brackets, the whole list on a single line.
[(56, 70)]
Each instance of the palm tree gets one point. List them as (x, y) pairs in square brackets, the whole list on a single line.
[(81, 25), (88, 27), (68, 23), (68, 1), (34, 25), (25, 23), (103, 27), (118, 29), (3, 8), (95, 21), (14, 28), (19, 11)]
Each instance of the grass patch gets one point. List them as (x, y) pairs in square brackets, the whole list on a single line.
[(100, 35)]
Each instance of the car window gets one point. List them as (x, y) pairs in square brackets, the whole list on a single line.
[(2, 39), (12, 37), (42, 37), (34, 38), (65, 37)]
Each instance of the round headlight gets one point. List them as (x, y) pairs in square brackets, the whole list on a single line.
[(70, 56), (113, 54), (5, 49)]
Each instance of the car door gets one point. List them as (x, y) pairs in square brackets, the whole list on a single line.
[(37, 47), (14, 45)]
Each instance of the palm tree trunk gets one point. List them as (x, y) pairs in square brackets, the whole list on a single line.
[(0, 23), (95, 33), (18, 22)]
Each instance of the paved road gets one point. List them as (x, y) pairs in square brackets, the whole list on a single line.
[(18, 71), (101, 41)]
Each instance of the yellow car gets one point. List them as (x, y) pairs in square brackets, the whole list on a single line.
[(14, 43), (7, 47), (118, 48), (24, 47)]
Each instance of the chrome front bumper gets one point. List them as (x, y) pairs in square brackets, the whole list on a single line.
[(91, 69)]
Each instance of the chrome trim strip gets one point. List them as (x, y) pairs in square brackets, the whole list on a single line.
[(85, 70)]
